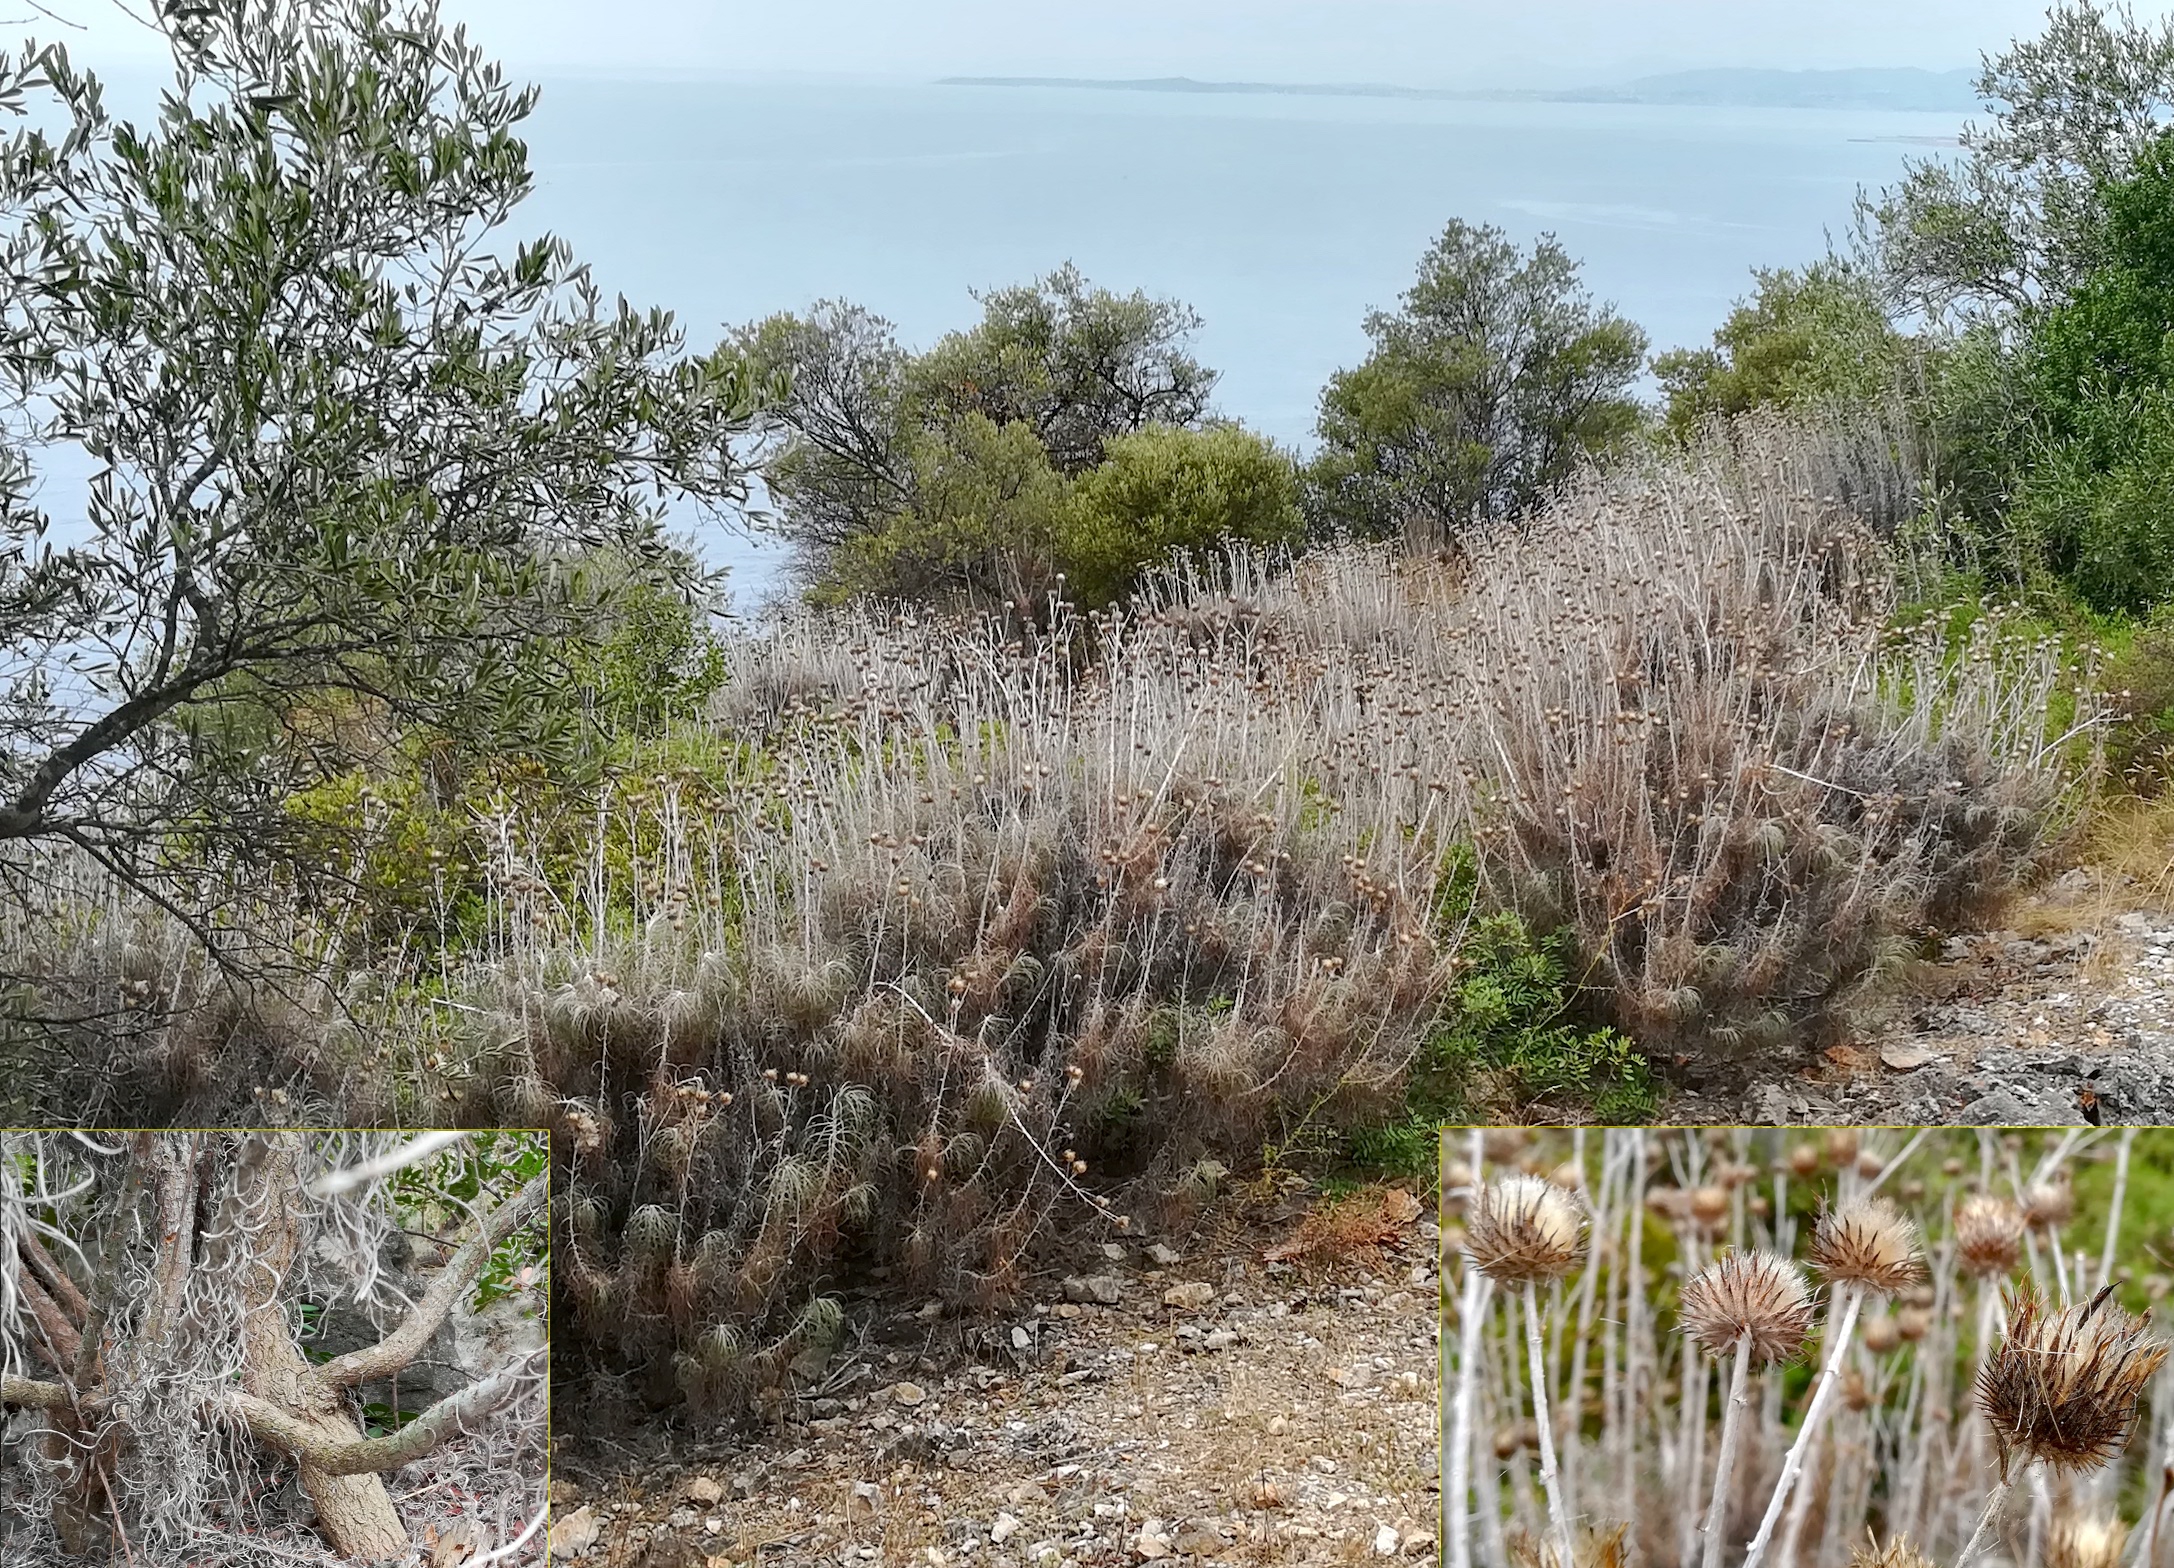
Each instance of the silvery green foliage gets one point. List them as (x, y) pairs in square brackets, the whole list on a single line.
[(2013, 221), (355, 446)]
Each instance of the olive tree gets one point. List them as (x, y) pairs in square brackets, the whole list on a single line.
[(151, 1287), (1483, 394), (359, 463), (892, 471), (2016, 220)]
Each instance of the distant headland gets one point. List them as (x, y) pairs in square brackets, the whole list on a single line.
[(1884, 87)]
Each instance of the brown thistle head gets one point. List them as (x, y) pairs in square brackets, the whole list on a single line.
[(2063, 1385), (2085, 1541), (1758, 1295), (2049, 1205), (1523, 1229), (1988, 1234), (1897, 1553), (1596, 1546), (1869, 1244)]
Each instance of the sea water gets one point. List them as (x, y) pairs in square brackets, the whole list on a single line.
[(1283, 220)]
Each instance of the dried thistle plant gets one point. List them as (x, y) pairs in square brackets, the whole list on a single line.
[(1523, 1229), (2063, 1387), (1745, 1305), (1897, 1553), (1643, 1337), (1870, 1245), (1988, 1234), (2079, 1540), (1754, 1297)]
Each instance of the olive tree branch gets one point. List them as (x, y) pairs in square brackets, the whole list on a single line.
[(443, 1421), (406, 1342)]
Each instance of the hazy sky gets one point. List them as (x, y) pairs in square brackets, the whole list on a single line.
[(1421, 42)]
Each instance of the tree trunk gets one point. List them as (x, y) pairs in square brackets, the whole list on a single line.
[(355, 1511)]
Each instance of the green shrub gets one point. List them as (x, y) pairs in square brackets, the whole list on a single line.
[(1820, 334), (1504, 1043), (2139, 680), (652, 663), (982, 525), (1169, 489), (2100, 505), (2101, 371)]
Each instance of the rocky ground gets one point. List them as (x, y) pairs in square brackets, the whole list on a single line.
[(2065, 1018), (1209, 1400)]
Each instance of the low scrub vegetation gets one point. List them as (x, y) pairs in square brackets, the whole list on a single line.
[(939, 928)]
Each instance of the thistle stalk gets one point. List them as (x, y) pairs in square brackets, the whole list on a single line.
[(1993, 1501), (1844, 1323), (1557, 1519), (1725, 1464)]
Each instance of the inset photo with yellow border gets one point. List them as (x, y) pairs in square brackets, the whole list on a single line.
[(261, 1348), (1743, 1347)]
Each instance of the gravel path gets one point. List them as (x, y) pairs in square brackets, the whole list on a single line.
[(1198, 1404), (2068, 1019)]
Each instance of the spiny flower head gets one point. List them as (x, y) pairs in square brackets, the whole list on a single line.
[(1897, 1553), (2083, 1541), (2063, 1386), (2050, 1204), (1523, 1228), (1988, 1234), (1758, 1295), (1869, 1244)]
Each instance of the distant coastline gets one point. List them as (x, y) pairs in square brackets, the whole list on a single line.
[(1899, 87)]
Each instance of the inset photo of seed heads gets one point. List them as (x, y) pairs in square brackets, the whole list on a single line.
[(1744, 1347), (230, 1349)]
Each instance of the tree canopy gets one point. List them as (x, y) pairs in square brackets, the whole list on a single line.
[(357, 454), (1496, 379), (1805, 335), (2015, 222), (2099, 490), (975, 471)]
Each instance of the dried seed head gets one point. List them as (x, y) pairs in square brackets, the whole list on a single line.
[(1868, 1244), (1748, 1293), (2049, 1204), (1515, 1435), (1897, 1553), (1523, 1228), (1597, 1546), (1912, 1323), (1709, 1205), (2063, 1385), (1988, 1234), (2081, 1541), (1881, 1334)]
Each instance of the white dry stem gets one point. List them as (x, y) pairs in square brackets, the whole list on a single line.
[(2113, 1212), (1842, 1321), (1456, 1496), (1725, 1465), (1557, 1519), (348, 1177), (1998, 1496), (1457, 1500)]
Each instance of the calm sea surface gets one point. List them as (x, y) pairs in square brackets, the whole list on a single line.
[(1281, 219)]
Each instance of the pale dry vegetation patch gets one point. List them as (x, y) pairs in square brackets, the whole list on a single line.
[(944, 928)]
